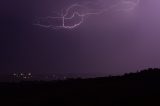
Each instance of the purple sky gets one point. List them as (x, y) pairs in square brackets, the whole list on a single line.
[(104, 44)]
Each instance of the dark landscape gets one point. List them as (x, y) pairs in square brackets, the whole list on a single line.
[(132, 89)]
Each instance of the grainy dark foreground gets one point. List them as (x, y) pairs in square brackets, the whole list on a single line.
[(134, 89)]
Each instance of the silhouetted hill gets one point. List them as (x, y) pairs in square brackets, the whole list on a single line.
[(132, 89)]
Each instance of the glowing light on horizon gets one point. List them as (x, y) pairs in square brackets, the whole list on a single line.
[(121, 6)]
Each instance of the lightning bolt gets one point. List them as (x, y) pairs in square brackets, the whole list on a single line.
[(73, 12)]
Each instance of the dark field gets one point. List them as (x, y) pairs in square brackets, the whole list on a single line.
[(134, 89)]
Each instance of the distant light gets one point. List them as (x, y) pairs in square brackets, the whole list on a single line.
[(64, 77), (14, 74), (21, 74), (29, 74)]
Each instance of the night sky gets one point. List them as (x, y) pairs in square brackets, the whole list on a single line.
[(108, 43)]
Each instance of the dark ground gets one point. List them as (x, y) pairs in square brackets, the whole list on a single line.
[(134, 89)]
